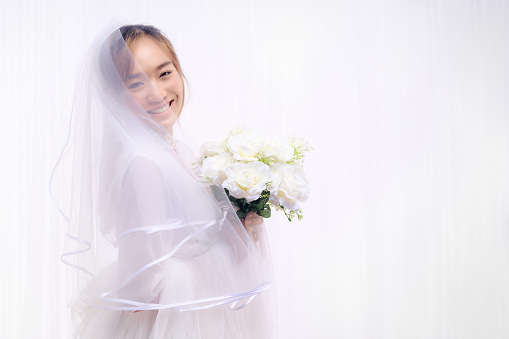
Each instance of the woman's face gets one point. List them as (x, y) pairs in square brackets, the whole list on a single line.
[(155, 83)]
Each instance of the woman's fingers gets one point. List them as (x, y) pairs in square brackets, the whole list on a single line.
[(253, 232), (253, 219), (252, 224)]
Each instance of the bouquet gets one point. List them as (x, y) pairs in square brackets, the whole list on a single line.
[(258, 172)]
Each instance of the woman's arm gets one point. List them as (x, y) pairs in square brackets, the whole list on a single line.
[(144, 203)]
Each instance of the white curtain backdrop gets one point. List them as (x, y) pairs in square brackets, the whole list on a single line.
[(406, 103)]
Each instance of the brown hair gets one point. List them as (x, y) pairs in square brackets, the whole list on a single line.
[(130, 34)]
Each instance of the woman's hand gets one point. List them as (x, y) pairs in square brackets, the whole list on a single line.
[(252, 224)]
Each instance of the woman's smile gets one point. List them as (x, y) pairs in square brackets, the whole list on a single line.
[(160, 110)]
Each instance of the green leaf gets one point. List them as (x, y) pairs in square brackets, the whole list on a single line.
[(241, 214), (266, 212), (256, 206), (243, 204), (265, 199)]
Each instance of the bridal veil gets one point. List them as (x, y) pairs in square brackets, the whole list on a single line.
[(144, 234)]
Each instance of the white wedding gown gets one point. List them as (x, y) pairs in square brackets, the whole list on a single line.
[(210, 264)]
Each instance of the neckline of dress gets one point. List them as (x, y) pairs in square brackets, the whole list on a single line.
[(167, 141)]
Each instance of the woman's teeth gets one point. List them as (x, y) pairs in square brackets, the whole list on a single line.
[(159, 110)]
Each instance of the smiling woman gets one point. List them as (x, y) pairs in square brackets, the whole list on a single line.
[(155, 79), (174, 260)]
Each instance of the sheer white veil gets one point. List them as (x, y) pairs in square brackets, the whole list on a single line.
[(143, 233)]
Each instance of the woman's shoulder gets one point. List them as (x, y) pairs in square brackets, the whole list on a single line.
[(148, 166), (143, 166)]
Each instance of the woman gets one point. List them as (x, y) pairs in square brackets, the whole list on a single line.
[(159, 255)]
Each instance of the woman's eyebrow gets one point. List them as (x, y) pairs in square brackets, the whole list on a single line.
[(132, 76), (164, 64), (138, 75)]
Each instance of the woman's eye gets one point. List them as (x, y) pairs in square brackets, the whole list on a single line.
[(165, 74), (135, 85)]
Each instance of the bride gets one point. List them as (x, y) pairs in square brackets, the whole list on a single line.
[(158, 254)]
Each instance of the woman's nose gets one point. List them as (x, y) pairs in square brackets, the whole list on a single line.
[(153, 97), (155, 94)]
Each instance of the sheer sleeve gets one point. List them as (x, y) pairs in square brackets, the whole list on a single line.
[(179, 245), (145, 203)]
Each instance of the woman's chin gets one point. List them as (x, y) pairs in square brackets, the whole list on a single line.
[(166, 119)]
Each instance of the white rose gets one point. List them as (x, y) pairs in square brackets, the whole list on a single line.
[(245, 146), (214, 167), (247, 180), (277, 149), (211, 148), (288, 187)]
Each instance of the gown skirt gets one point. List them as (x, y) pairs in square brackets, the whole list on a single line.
[(256, 320)]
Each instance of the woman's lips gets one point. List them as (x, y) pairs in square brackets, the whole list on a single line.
[(161, 109)]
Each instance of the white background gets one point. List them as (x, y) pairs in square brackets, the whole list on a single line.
[(405, 103)]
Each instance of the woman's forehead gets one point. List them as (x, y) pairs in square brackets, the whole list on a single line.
[(150, 54)]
